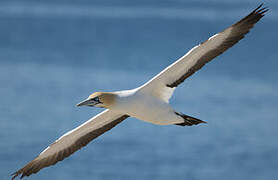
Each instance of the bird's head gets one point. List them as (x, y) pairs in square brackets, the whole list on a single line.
[(99, 99)]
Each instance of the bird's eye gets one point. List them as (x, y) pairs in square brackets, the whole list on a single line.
[(96, 99)]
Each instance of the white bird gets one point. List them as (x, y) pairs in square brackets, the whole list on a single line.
[(148, 102)]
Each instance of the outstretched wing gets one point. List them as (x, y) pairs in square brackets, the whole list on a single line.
[(163, 84), (72, 141)]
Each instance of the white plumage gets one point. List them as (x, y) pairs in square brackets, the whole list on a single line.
[(148, 102)]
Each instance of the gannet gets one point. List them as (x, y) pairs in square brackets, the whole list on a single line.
[(149, 102)]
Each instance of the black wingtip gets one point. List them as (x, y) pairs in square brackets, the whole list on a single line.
[(14, 175), (261, 10), (257, 8)]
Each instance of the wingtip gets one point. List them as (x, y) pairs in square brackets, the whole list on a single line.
[(261, 10), (14, 175), (260, 5)]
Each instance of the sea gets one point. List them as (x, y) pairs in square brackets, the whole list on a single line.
[(55, 53)]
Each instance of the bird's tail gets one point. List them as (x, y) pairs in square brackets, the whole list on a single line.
[(188, 120)]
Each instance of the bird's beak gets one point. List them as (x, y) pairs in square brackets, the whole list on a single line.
[(87, 102)]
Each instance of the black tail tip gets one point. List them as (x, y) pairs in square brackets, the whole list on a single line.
[(189, 121)]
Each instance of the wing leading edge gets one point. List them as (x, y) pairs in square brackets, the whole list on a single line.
[(163, 84), (72, 141)]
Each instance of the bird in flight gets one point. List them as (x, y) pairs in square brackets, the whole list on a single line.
[(149, 102)]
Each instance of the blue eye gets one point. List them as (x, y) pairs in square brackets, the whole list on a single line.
[(96, 99)]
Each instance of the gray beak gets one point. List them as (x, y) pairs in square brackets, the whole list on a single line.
[(87, 102)]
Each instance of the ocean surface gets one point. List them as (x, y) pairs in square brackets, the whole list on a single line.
[(54, 53)]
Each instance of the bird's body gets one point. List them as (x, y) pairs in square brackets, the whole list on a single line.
[(145, 107), (149, 102)]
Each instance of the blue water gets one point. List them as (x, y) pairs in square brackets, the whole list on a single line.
[(53, 54)]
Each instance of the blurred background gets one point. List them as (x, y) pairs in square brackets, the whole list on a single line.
[(54, 53)]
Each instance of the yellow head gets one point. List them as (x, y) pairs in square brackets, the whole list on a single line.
[(99, 99)]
